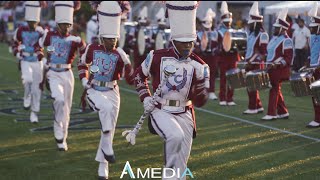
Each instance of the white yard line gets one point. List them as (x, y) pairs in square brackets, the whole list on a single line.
[(243, 120)]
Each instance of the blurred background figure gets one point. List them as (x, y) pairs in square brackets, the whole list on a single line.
[(160, 40), (138, 40), (301, 38), (226, 60), (207, 40), (92, 29)]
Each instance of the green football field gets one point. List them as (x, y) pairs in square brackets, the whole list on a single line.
[(229, 145)]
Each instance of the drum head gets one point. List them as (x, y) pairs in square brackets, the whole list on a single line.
[(159, 42), (123, 33), (226, 42), (141, 42)]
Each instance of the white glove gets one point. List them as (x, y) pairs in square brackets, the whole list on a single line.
[(85, 83), (44, 61), (18, 56), (21, 47), (148, 104)]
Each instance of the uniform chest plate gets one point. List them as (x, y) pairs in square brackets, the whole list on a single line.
[(107, 64), (179, 84), (62, 50)]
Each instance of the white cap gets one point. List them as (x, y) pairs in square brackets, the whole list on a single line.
[(207, 20), (313, 13), (64, 11), (33, 11), (161, 16), (143, 15), (254, 15), (109, 13), (226, 16), (281, 20), (182, 17)]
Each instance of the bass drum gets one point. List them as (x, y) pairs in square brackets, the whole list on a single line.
[(226, 42), (141, 42), (159, 44), (123, 34), (235, 40)]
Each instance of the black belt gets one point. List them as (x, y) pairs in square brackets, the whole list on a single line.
[(62, 70)]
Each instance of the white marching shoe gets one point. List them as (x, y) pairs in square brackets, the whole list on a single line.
[(260, 110), (231, 103), (27, 102), (62, 146), (250, 111), (313, 124), (212, 96), (268, 117), (103, 171), (33, 117), (283, 116), (223, 103)]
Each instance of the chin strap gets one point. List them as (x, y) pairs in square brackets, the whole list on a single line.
[(180, 56)]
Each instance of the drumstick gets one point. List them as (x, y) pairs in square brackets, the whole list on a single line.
[(253, 57)]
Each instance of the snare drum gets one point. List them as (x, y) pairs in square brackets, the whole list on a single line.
[(315, 91), (235, 78), (300, 83), (257, 80)]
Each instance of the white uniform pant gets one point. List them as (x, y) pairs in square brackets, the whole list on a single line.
[(32, 75), (61, 86), (177, 132), (107, 103)]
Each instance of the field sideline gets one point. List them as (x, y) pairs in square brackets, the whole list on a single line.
[(229, 145)]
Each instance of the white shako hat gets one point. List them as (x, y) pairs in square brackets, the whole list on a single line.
[(109, 16), (281, 20), (182, 17), (64, 11), (161, 16), (207, 20), (33, 11), (254, 15), (226, 16), (313, 13), (143, 15)]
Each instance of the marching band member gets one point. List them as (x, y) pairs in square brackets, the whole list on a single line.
[(162, 42), (92, 29), (31, 68), (172, 115), (226, 60), (205, 47), (280, 54), (256, 51), (133, 38), (103, 93), (314, 58), (60, 75)]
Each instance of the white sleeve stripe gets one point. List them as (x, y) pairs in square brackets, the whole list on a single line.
[(82, 71), (146, 64), (84, 55), (15, 35), (42, 39)]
